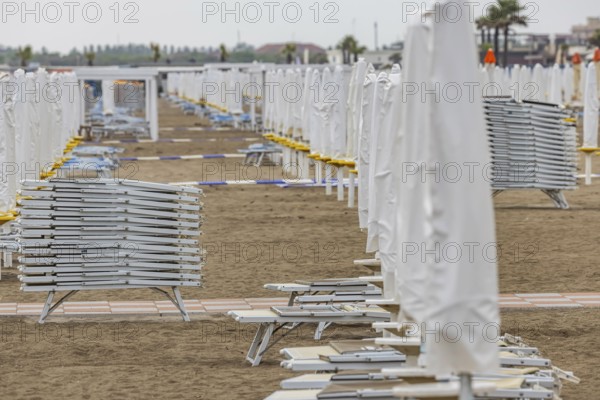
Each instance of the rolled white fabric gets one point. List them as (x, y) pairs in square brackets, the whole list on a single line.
[(590, 109), (364, 156)]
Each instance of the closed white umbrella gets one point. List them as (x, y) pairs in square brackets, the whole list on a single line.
[(108, 97), (460, 292), (376, 148), (514, 82), (355, 105), (22, 131), (567, 83), (538, 84), (555, 95), (364, 148), (339, 120), (8, 185), (33, 99), (590, 111), (414, 197), (590, 120), (388, 160), (307, 99)]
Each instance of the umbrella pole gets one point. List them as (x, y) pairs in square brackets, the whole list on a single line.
[(466, 388), (588, 169)]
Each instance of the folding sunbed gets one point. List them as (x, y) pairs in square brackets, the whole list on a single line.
[(289, 318)]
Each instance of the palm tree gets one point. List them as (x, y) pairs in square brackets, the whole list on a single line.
[(484, 24), (346, 45), (357, 50), (511, 11), (595, 39), (289, 51), (25, 54), (90, 56), (223, 52), (155, 51), (496, 22)]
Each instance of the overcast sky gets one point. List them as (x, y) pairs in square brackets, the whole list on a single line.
[(200, 23)]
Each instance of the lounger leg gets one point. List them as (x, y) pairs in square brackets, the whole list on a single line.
[(558, 197), (328, 176), (260, 160), (305, 166), (320, 329), (8, 259), (340, 184), (48, 307), (260, 343), (184, 313), (466, 388), (351, 190)]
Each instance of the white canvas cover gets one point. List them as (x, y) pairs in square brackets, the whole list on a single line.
[(366, 112), (414, 198), (326, 105), (339, 120), (314, 110), (377, 146), (462, 291), (108, 97), (567, 83), (590, 109), (307, 100), (538, 84), (10, 171), (354, 106), (555, 95), (388, 159)]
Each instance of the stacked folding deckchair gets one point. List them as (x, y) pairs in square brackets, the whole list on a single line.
[(533, 147), (108, 234)]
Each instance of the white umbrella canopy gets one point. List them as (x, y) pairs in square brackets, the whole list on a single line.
[(538, 84), (355, 107), (555, 95), (314, 111), (525, 86), (22, 131), (387, 160), (297, 104), (414, 200), (590, 109), (307, 99), (567, 83), (514, 82), (108, 97), (56, 146), (364, 134), (7, 145), (376, 148), (326, 106), (339, 120), (33, 98), (460, 291)]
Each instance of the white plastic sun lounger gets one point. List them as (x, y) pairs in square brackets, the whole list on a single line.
[(108, 234), (342, 356), (417, 385), (532, 377), (290, 318)]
